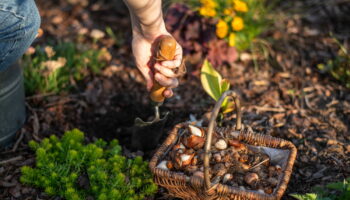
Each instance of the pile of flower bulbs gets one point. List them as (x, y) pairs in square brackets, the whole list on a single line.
[(231, 162)]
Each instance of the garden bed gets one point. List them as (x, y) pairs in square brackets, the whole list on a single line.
[(285, 97)]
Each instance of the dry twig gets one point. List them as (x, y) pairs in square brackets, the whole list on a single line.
[(11, 160), (269, 109), (18, 141)]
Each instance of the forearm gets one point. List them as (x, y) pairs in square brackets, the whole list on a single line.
[(146, 17)]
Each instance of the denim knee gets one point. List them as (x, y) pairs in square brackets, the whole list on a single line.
[(19, 24)]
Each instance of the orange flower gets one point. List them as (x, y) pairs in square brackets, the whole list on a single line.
[(221, 29), (237, 23), (240, 6)]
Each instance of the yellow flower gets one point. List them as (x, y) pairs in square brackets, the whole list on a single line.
[(207, 11), (221, 29), (240, 6), (237, 23), (208, 8), (208, 3), (228, 11), (232, 39)]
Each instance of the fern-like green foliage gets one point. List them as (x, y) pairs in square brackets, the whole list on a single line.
[(332, 191), (54, 69), (60, 163)]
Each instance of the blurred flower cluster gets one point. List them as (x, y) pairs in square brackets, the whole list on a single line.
[(230, 15), (216, 29), (237, 21)]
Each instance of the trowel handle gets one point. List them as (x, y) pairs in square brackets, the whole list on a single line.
[(165, 51)]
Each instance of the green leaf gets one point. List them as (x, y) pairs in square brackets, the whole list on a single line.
[(225, 85), (229, 107), (211, 80), (336, 186), (308, 196)]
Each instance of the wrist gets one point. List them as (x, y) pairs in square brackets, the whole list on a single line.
[(149, 31)]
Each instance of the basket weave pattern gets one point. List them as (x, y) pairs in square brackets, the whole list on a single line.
[(193, 188)]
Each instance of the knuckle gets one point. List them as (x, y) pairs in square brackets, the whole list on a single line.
[(158, 77), (165, 63), (170, 74)]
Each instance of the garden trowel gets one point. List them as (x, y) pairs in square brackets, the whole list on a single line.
[(166, 48)]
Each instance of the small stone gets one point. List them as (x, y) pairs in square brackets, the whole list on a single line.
[(221, 144)]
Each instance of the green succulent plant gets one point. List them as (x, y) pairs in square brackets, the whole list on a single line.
[(61, 163)]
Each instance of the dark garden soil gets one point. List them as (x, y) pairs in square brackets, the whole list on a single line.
[(285, 96)]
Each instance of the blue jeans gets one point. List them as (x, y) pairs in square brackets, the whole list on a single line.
[(19, 23)]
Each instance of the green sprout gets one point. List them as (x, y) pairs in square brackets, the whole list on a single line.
[(214, 85)]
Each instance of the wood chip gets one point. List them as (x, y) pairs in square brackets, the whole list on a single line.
[(11, 160), (269, 109), (7, 184)]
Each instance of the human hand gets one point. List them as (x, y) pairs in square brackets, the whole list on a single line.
[(160, 71)]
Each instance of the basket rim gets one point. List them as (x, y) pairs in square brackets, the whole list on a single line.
[(255, 139)]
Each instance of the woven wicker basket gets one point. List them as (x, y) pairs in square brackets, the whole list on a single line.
[(197, 188)]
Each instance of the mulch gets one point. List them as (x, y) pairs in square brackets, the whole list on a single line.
[(283, 94)]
